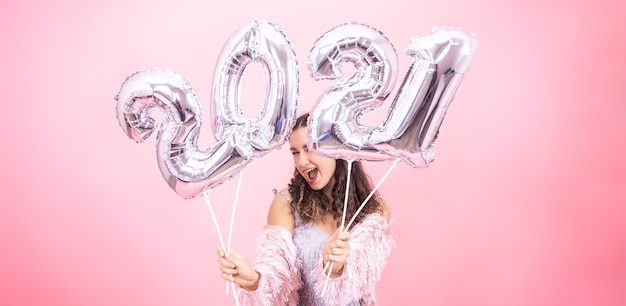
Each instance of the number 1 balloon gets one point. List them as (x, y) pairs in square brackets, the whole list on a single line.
[(440, 60), (187, 169)]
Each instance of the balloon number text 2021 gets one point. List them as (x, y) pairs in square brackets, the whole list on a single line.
[(439, 61)]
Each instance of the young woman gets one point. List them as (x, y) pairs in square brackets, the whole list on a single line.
[(303, 235)]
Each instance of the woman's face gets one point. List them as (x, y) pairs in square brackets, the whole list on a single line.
[(317, 170)]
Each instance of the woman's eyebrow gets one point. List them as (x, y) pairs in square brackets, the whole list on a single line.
[(304, 146)]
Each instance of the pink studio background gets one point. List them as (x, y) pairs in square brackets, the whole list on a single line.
[(525, 204)]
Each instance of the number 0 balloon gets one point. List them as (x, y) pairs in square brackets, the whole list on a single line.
[(187, 169)]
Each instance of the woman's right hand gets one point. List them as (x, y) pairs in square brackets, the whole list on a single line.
[(236, 268)]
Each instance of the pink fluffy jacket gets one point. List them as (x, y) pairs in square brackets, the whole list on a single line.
[(278, 264)]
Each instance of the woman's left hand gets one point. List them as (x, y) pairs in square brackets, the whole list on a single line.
[(337, 250)]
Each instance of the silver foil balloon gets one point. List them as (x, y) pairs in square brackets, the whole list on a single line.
[(440, 60), (187, 169), (334, 126), (263, 43)]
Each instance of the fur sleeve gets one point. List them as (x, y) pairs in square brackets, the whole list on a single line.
[(277, 263), (370, 245)]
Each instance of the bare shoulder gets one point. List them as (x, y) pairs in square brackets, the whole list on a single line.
[(280, 212)]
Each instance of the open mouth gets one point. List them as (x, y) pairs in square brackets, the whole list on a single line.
[(311, 174)]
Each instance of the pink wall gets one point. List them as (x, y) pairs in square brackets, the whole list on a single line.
[(525, 204)]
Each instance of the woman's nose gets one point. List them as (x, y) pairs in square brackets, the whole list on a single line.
[(303, 158)]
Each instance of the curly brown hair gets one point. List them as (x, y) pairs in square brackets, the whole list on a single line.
[(312, 205)]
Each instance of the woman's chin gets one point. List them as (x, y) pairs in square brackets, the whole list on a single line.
[(316, 188)]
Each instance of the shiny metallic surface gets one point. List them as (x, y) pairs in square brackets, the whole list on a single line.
[(440, 60), (187, 169)]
